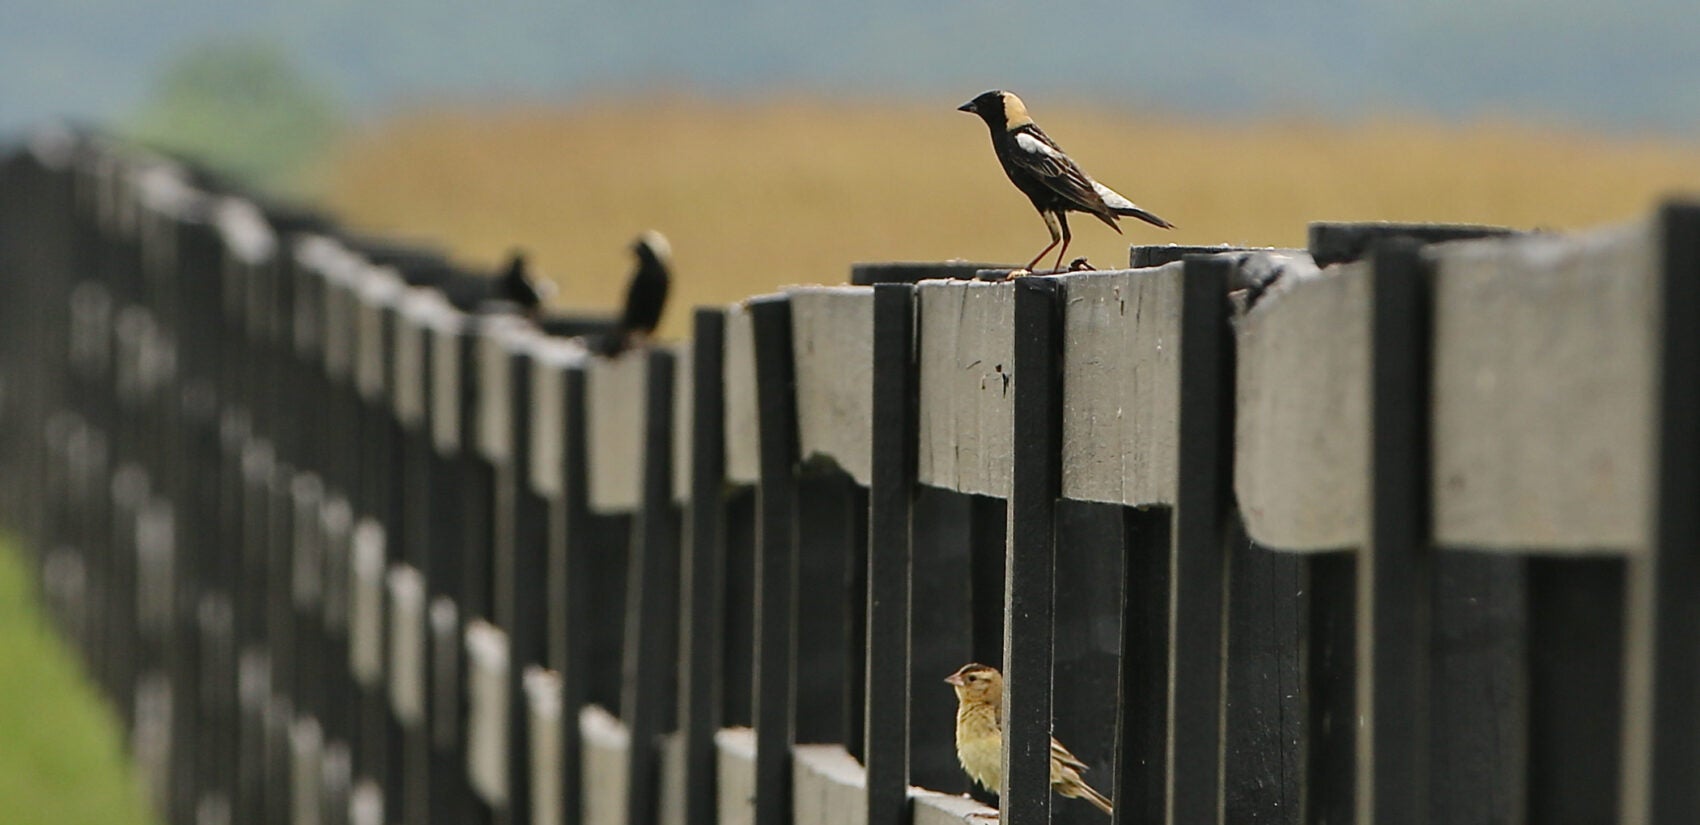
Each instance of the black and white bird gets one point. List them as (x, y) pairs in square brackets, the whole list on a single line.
[(516, 284), (646, 294), (1049, 178)]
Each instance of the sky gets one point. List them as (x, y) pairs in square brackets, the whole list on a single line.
[(1630, 66)]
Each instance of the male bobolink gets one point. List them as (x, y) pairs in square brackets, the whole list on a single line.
[(1050, 179), (646, 294), (979, 737), (516, 285)]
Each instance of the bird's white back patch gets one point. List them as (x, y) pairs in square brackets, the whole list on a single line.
[(1029, 143)]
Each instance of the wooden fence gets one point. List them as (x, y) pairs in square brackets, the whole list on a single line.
[(1400, 528)]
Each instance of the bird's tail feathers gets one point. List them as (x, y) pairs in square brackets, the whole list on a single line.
[(1136, 212), (1091, 795), (1124, 207)]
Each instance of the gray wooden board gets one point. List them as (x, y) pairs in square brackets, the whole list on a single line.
[(334, 264), (550, 358), (1120, 379), (966, 366), (827, 786), (671, 810), (605, 746), (1302, 429), (447, 330), (1543, 389), (379, 288), (742, 465), (411, 337), (497, 337), (736, 774), (832, 344), (934, 808), (614, 398), (241, 224)]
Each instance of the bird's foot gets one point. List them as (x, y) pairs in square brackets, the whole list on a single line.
[(985, 816), (1081, 265), (1016, 273)]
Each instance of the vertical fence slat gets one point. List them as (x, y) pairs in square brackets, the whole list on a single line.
[(1675, 745), (652, 606), (891, 502), (1395, 571), (776, 569), (703, 565), (1202, 489), (1030, 572)]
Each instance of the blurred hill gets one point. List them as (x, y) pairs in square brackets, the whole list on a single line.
[(756, 195), (1630, 65)]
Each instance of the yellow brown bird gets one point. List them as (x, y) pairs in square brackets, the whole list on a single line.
[(1046, 175), (979, 737)]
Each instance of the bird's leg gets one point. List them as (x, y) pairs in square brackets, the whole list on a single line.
[(1062, 218), (1056, 237)]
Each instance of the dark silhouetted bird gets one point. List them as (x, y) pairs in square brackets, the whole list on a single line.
[(1049, 178), (646, 294), (516, 284)]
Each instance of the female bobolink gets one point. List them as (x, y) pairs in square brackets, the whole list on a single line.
[(1050, 179), (979, 737)]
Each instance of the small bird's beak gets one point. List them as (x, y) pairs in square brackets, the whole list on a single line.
[(968, 107), (954, 679)]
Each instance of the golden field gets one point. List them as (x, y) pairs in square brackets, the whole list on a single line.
[(756, 195)]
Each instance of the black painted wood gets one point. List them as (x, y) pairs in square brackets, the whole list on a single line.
[(1198, 532), (868, 274), (987, 529), (941, 631), (1331, 688), (1576, 657), (1263, 772), (652, 601), (827, 527), (1675, 749), (776, 562), (739, 645), (1336, 243), (522, 567), (1030, 569), (891, 510), (1479, 688), (571, 582), (1396, 570), (1142, 697), (703, 568), (1087, 644)]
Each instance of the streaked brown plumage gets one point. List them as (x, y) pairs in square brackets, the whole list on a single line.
[(979, 737), (1046, 175)]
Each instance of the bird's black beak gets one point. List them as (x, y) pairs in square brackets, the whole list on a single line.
[(968, 107)]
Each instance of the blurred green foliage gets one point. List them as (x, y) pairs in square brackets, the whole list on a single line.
[(241, 107), (61, 756)]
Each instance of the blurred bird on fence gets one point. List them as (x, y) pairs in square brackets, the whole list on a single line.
[(646, 294), (979, 737), (1049, 178), (516, 284)]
